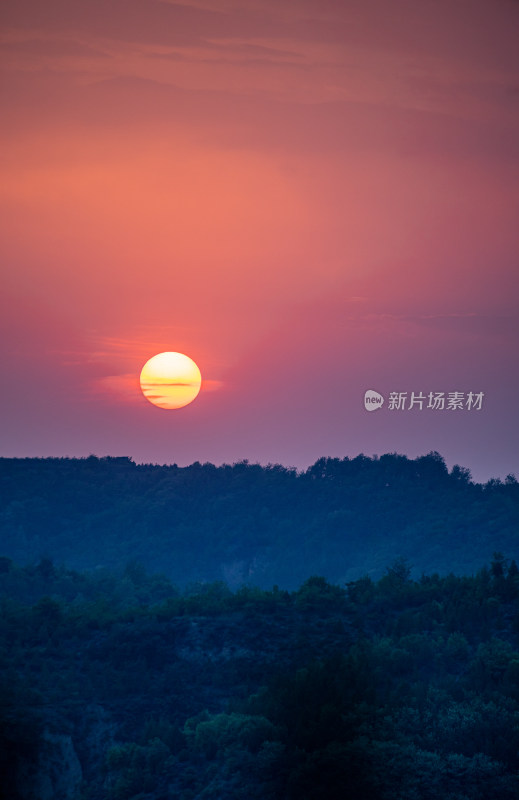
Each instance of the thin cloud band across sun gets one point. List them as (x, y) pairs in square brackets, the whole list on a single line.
[(170, 380)]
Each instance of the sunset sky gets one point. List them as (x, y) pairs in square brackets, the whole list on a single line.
[(310, 199)]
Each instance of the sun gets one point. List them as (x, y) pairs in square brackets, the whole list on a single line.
[(170, 380)]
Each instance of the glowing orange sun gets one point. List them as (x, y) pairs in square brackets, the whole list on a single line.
[(170, 380)]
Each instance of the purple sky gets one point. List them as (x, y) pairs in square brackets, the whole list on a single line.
[(308, 199)]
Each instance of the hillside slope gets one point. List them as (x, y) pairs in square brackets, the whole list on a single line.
[(123, 688), (245, 523)]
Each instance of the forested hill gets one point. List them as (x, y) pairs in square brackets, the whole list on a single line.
[(244, 523)]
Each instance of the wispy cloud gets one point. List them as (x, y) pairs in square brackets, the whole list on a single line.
[(125, 388)]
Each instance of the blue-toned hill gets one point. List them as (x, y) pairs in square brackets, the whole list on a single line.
[(262, 525)]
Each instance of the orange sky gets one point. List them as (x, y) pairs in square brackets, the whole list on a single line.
[(309, 199)]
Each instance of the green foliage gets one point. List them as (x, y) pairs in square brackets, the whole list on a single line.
[(212, 736), (316, 593), (135, 769), (397, 689)]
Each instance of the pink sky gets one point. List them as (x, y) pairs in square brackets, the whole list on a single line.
[(310, 199)]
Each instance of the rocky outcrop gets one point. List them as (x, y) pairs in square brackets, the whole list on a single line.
[(55, 774)]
